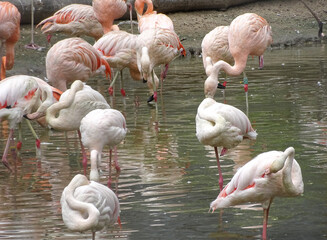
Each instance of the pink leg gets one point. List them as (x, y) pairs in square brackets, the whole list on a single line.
[(265, 222), (221, 181), (5, 153), (83, 152), (109, 180), (116, 160)]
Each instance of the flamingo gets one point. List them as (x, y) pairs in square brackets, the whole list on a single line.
[(270, 174), (222, 125), (74, 20), (106, 11), (20, 96), (156, 46), (249, 34), (73, 59), (88, 205), (9, 35), (98, 128), (118, 47), (73, 105), (151, 19)]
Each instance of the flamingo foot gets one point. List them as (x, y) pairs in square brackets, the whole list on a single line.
[(111, 91), (123, 93), (38, 143), (19, 145), (155, 97), (33, 46)]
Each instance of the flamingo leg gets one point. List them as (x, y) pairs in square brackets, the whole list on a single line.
[(111, 86), (93, 235), (163, 74), (122, 91), (83, 152), (221, 181), (37, 140), (109, 180), (246, 87), (5, 152), (116, 160), (265, 220)]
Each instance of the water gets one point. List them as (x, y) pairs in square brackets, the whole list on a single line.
[(168, 178)]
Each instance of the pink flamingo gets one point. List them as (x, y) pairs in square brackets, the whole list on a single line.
[(249, 34), (73, 105), (156, 46), (9, 35), (118, 48), (71, 59), (88, 205), (23, 96), (98, 128), (74, 20), (270, 174), (222, 125), (106, 11)]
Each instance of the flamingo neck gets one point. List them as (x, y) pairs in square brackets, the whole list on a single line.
[(73, 210), (95, 158)]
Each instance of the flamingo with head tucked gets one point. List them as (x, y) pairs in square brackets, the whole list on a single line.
[(9, 35), (74, 20), (88, 205), (73, 59), (248, 34), (270, 174)]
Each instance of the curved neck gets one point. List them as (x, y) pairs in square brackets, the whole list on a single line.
[(55, 108), (95, 158), (76, 217)]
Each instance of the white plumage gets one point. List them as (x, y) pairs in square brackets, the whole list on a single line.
[(88, 205)]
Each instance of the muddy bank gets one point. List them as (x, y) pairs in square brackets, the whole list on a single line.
[(292, 23)]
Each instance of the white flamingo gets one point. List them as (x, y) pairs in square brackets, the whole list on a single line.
[(98, 128), (88, 205)]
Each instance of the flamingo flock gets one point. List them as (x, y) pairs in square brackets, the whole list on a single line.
[(68, 104)]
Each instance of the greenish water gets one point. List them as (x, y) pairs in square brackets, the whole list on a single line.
[(168, 178)]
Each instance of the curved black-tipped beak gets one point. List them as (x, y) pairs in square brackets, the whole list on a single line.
[(144, 80)]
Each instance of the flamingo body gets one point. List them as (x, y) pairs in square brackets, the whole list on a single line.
[(119, 49), (222, 125), (9, 35), (106, 11), (73, 20), (88, 205), (98, 128), (270, 174), (215, 45), (73, 59), (73, 105)]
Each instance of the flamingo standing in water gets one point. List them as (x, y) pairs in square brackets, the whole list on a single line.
[(156, 46), (248, 34), (218, 124), (20, 96), (9, 35), (118, 48), (88, 205), (74, 20), (98, 128), (73, 59), (73, 105), (270, 174)]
